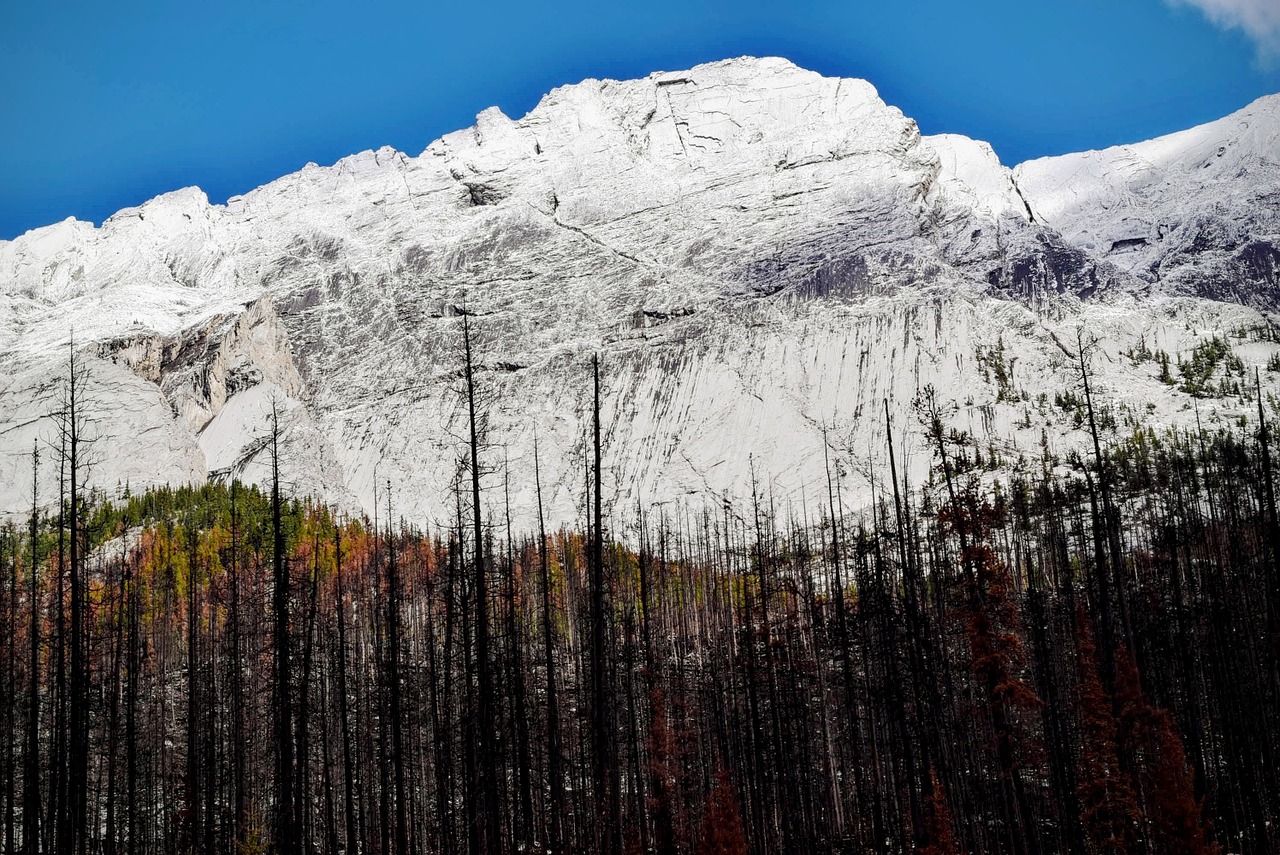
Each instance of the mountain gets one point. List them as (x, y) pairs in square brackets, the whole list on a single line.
[(761, 256), (1196, 212)]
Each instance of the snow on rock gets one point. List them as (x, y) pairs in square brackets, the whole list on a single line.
[(1197, 210), (971, 172), (761, 255)]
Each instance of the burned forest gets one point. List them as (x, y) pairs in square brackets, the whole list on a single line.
[(1078, 655)]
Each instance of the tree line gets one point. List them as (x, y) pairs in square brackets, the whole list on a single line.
[(1077, 658)]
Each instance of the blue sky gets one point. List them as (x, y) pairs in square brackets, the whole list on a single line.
[(103, 105)]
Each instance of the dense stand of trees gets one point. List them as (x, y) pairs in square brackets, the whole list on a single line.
[(1078, 659)]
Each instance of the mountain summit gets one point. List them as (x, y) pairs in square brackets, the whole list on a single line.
[(760, 254)]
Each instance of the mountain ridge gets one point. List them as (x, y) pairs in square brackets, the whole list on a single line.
[(1270, 102), (761, 253)]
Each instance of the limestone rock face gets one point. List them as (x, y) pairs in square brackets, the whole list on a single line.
[(761, 256)]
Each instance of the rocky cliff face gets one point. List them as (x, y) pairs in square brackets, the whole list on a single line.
[(762, 255)]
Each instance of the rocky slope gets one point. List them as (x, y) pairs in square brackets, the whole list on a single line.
[(760, 254), (1196, 212)]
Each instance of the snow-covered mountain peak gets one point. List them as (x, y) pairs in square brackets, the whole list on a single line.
[(736, 116), (1212, 153), (187, 202), (1197, 210), (971, 169), (759, 89), (762, 254)]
